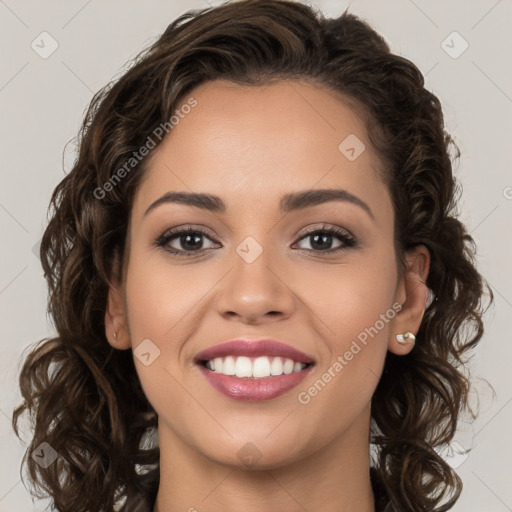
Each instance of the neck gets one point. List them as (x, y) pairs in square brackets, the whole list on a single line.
[(332, 479)]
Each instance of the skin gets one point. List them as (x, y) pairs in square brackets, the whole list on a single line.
[(251, 145)]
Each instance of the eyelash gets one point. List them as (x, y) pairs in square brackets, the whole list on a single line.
[(348, 240)]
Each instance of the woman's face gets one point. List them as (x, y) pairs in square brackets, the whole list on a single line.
[(256, 273)]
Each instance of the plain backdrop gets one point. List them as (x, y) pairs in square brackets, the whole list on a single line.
[(42, 103)]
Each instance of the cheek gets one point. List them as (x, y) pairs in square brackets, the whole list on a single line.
[(161, 296), (351, 297), (359, 320), (163, 304), (354, 310)]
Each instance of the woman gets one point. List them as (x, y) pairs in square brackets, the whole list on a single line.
[(325, 313)]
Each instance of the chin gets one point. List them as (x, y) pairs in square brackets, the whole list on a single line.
[(257, 454)]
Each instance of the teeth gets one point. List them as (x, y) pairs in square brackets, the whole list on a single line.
[(288, 366), (257, 368), (276, 368), (229, 368), (243, 367), (260, 367)]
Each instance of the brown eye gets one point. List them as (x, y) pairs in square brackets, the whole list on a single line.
[(184, 241), (321, 239)]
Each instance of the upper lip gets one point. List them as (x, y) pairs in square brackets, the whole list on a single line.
[(253, 348)]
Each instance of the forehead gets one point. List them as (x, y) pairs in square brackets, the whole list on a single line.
[(248, 142)]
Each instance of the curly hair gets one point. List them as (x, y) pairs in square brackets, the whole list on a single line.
[(84, 397)]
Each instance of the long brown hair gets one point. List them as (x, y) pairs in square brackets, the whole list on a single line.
[(84, 397)]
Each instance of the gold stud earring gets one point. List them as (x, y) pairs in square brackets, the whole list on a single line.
[(404, 338)]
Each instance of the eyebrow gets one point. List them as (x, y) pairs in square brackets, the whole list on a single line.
[(288, 203)]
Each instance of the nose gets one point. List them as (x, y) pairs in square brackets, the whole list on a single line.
[(257, 292)]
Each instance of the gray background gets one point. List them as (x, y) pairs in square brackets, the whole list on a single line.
[(42, 103)]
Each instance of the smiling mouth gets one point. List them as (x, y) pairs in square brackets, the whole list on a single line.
[(261, 367)]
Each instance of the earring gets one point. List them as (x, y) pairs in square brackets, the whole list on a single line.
[(404, 338), (115, 336)]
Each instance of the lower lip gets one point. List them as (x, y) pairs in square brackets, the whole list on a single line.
[(254, 390)]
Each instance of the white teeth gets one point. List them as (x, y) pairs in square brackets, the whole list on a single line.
[(228, 367), (243, 367), (276, 368), (288, 366), (257, 368), (261, 367)]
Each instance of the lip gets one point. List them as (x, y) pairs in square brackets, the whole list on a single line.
[(254, 390), (253, 348), (247, 388)]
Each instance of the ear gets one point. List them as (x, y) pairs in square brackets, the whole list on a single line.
[(115, 319), (412, 293)]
